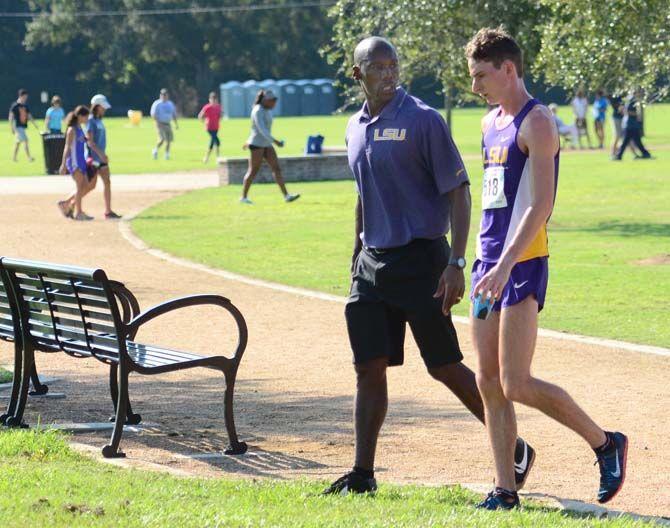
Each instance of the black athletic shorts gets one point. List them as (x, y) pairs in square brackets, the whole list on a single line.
[(393, 287)]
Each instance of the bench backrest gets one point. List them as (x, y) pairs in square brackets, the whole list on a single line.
[(8, 324), (65, 308)]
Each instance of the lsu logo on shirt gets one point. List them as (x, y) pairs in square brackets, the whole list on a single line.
[(495, 155), (390, 134)]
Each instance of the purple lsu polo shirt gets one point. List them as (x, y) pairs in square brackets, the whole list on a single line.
[(404, 162)]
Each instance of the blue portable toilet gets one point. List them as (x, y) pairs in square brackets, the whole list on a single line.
[(233, 99), (250, 90), (310, 97), (327, 96), (289, 93), (271, 84)]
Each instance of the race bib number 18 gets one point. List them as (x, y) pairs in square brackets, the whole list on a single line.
[(493, 193)]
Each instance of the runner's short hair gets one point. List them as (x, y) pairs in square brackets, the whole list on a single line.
[(23, 92), (495, 45)]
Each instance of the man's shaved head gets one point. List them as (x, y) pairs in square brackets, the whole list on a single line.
[(366, 48)]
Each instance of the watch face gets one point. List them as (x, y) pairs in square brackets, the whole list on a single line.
[(461, 262)]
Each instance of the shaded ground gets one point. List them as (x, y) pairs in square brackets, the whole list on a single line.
[(295, 387)]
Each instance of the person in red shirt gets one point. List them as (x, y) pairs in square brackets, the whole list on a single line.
[(211, 114)]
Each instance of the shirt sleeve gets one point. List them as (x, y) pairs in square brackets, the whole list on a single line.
[(152, 112), (92, 127), (260, 124), (441, 154), (50, 111)]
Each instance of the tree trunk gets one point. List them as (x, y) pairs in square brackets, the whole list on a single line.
[(448, 105)]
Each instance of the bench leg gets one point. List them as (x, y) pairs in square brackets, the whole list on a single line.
[(39, 388), (111, 450), (236, 447), (131, 418), (22, 380), (16, 384)]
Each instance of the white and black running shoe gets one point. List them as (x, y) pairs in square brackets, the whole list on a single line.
[(524, 457)]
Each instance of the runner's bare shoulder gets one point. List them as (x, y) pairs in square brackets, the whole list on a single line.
[(538, 129)]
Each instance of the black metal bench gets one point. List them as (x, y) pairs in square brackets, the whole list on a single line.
[(76, 311), (10, 331)]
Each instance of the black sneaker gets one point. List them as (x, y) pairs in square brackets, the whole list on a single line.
[(524, 457), (351, 483), (499, 499), (612, 467)]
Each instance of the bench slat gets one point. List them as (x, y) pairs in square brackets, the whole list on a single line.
[(65, 286), (41, 305), (73, 323), (151, 351), (38, 295), (69, 292), (100, 348), (45, 330)]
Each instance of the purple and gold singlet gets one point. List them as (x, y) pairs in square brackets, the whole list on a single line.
[(506, 191)]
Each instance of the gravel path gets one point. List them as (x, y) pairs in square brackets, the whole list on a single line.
[(294, 394)]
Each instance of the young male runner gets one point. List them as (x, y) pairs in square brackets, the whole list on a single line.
[(412, 189), (520, 148)]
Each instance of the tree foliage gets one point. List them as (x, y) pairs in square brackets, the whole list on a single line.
[(189, 53), (617, 44), (430, 35)]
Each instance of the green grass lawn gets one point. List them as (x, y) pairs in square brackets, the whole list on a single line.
[(129, 147), (44, 483), (609, 216), (5, 375)]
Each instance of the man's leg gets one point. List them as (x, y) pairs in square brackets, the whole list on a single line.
[(624, 144), (369, 409), (377, 335), (499, 411), (460, 380), (17, 144), (107, 189), (637, 141), (27, 148), (518, 333)]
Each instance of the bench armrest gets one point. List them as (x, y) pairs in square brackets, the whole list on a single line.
[(194, 300)]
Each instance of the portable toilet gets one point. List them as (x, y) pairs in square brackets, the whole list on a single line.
[(250, 90), (309, 97), (271, 84), (289, 93), (327, 97), (233, 99)]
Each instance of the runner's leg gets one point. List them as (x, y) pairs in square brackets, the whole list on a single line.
[(499, 411), (518, 334)]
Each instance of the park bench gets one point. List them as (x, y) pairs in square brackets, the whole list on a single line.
[(10, 331), (76, 310)]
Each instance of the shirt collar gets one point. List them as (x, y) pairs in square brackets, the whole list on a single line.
[(390, 111)]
